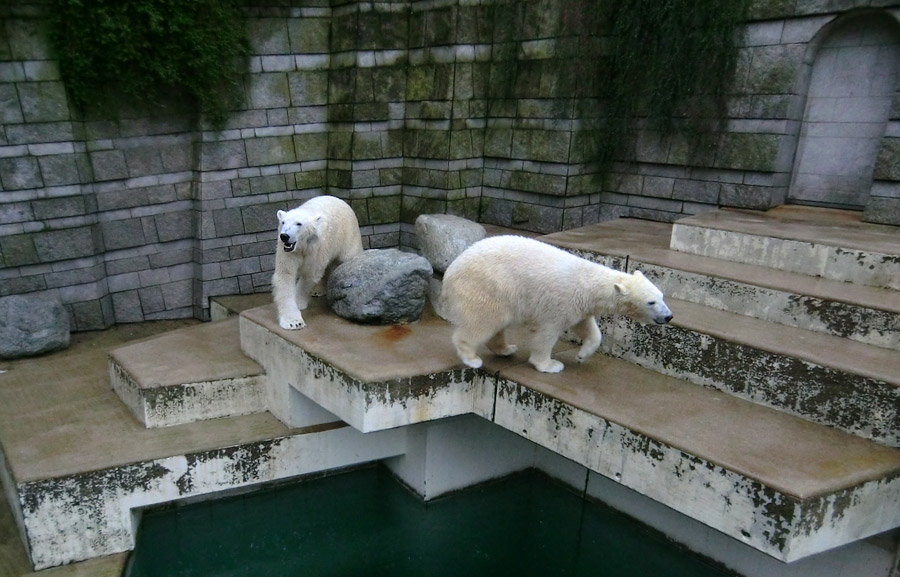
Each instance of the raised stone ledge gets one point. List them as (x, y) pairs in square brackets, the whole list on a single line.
[(822, 378), (865, 314), (85, 515), (205, 376), (864, 253), (713, 457), (372, 377)]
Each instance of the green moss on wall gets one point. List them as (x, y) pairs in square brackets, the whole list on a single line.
[(151, 50)]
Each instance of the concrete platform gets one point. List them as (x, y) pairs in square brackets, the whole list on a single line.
[(76, 462), (372, 377), (826, 379), (780, 484), (789, 487), (188, 375), (78, 466), (828, 243), (822, 349)]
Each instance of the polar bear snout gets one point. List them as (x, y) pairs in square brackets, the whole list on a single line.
[(663, 315), (288, 244)]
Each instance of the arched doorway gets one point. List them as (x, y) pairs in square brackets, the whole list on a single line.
[(853, 81)]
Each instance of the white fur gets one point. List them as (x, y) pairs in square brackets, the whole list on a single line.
[(321, 232), (508, 281)]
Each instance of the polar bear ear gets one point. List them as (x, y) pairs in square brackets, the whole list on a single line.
[(280, 214), (639, 274), (620, 289)]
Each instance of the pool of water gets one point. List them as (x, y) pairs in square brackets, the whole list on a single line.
[(365, 523)]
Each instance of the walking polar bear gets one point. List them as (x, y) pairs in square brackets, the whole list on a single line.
[(320, 232), (507, 281)]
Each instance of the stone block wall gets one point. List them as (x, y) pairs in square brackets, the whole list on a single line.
[(99, 212), (401, 108), (752, 161)]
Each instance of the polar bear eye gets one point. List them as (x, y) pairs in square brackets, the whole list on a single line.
[(651, 303)]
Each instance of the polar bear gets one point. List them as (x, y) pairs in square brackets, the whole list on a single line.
[(320, 232), (507, 281)]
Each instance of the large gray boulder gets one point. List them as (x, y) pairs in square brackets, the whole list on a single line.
[(32, 324), (442, 237), (382, 286)]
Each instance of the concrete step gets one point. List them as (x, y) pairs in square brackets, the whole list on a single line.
[(188, 375), (827, 243), (861, 313), (783, 485), (77, 467), (225, 306), (827, 379)]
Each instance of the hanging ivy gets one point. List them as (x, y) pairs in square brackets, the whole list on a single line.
[(148, 51), (664, 65), (671, 66)]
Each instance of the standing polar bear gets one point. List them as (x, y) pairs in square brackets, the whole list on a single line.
[(320, 232), (507, 281)]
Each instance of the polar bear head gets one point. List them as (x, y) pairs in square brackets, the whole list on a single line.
[(298, 229), (642, 301)]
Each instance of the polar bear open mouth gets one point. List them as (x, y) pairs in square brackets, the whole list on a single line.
[(290, 246)]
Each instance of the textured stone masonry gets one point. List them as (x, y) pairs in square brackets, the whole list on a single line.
[(402, 108)]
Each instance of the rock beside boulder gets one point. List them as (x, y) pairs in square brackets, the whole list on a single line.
[(32, 324), (382, 286), (442, 237)]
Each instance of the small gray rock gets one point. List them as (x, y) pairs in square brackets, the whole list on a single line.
[(442, 237), (32, 324), (380, 286)]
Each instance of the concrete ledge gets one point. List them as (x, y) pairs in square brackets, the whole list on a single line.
[(826, 379), (188, 375), (699, 451), (830, 244), (865, 314), (372, 377), (82, 516), (722, 461)]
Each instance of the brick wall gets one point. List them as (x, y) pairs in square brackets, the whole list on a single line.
[(397, 107)]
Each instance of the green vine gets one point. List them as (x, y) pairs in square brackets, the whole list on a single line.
[(148, 51), (672, 65), (663, 65)]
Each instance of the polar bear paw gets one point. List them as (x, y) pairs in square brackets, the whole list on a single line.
[(551, 366), (474, 362), (583, 354), (292, 323), (506, 351)]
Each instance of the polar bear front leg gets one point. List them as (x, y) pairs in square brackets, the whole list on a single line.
[(590, 336), (284, 293), (303, 291), (542, 342)]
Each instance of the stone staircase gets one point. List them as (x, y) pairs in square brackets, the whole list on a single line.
[(767, 410), (822, 349), (819, 348)]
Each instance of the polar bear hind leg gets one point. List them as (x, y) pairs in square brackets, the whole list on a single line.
[(498, 345), (542, 341), (469, 337)]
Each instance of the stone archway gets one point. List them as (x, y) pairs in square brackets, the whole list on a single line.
[(854, 77)]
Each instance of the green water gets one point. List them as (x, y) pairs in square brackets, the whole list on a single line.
[(365, 523)]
